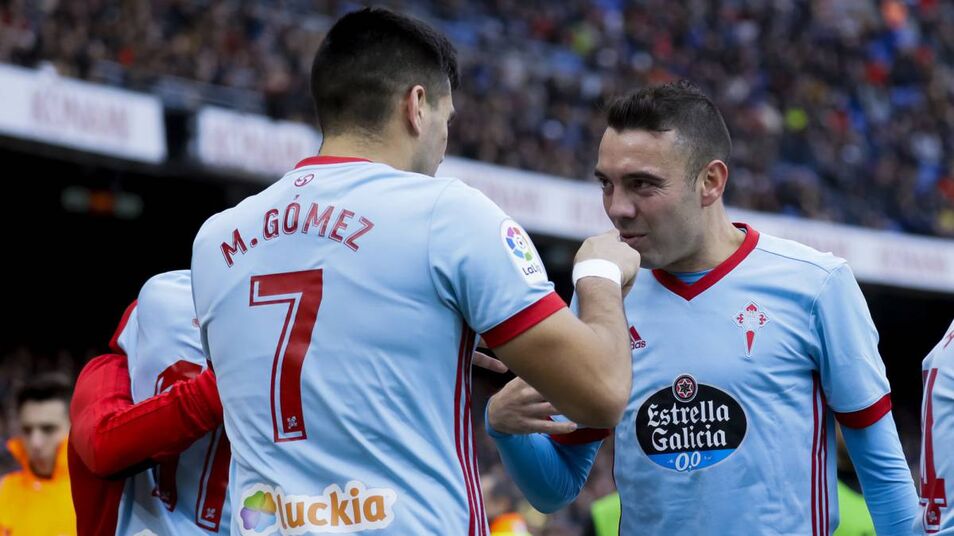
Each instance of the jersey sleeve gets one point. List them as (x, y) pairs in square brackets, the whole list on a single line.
[(110, 434), (884, 474), (550, 474), (485, 266), (852, 373)]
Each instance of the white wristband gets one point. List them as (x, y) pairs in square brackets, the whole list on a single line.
[(597, 268)]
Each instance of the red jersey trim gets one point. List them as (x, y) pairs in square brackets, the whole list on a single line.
[(689, 292), (530, 316), (318, 160), (114, 341), (868, 416)]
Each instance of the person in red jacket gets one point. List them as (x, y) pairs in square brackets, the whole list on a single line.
[(112, 438)]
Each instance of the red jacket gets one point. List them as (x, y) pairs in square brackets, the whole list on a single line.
[(112, 438)]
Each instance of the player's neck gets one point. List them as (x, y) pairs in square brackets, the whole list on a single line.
[(362, 147), (719, 241)]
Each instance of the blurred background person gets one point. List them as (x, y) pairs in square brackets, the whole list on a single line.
[(36, 501)]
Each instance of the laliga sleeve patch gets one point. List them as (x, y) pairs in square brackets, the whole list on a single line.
[(521, 252)]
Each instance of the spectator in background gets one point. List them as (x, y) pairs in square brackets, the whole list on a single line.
[(36, 499)]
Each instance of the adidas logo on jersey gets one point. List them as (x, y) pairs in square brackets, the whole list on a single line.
[(635, 341)]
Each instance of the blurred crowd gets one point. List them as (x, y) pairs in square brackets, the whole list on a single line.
[(840, 110)]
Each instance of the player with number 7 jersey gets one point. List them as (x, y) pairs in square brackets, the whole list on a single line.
[(937, 438), (341, 352), (340, 308)]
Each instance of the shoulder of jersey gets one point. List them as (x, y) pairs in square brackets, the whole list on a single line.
[(407, 180), (165, 296), (461, 188), (790, 251), (369, 170)]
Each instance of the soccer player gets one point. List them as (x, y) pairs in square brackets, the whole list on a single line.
[(170, 447), (745, 347), (340, 307), (937, 437), (36, 498)]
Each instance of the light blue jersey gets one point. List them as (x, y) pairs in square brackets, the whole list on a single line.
[(184, 494), (729, 427), (737, 379), (937, 439), (339, 308)]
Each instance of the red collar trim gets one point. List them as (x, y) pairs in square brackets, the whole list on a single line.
[(689, 292), (317, 160)]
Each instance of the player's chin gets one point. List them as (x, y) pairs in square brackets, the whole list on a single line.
[(648, 258)]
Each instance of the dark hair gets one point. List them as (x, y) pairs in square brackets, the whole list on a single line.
[(367, 58), (678, 106), (46, 386)]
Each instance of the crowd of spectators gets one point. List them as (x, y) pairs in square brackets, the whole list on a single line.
[(840, 110)]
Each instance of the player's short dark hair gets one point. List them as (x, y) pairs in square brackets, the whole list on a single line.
[(44, 387), (370, 57), (678, 106)]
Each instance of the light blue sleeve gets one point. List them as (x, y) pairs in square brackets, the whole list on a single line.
[(846, 350), (884, 475), (484, 265), (549, 474)]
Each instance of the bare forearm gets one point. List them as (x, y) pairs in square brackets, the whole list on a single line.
[(601, 310), (583, 367)]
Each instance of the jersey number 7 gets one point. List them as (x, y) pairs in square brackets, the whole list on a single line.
[(300, 292)]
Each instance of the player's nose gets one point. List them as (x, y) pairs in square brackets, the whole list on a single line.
[(621, 207)]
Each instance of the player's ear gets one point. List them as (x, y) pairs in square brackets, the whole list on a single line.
[(414, 109), (713, 179)]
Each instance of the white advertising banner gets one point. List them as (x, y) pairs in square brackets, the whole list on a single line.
[(250, 143), (42, 106)]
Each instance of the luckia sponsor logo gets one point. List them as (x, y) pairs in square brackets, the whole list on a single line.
[(269, 510)]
